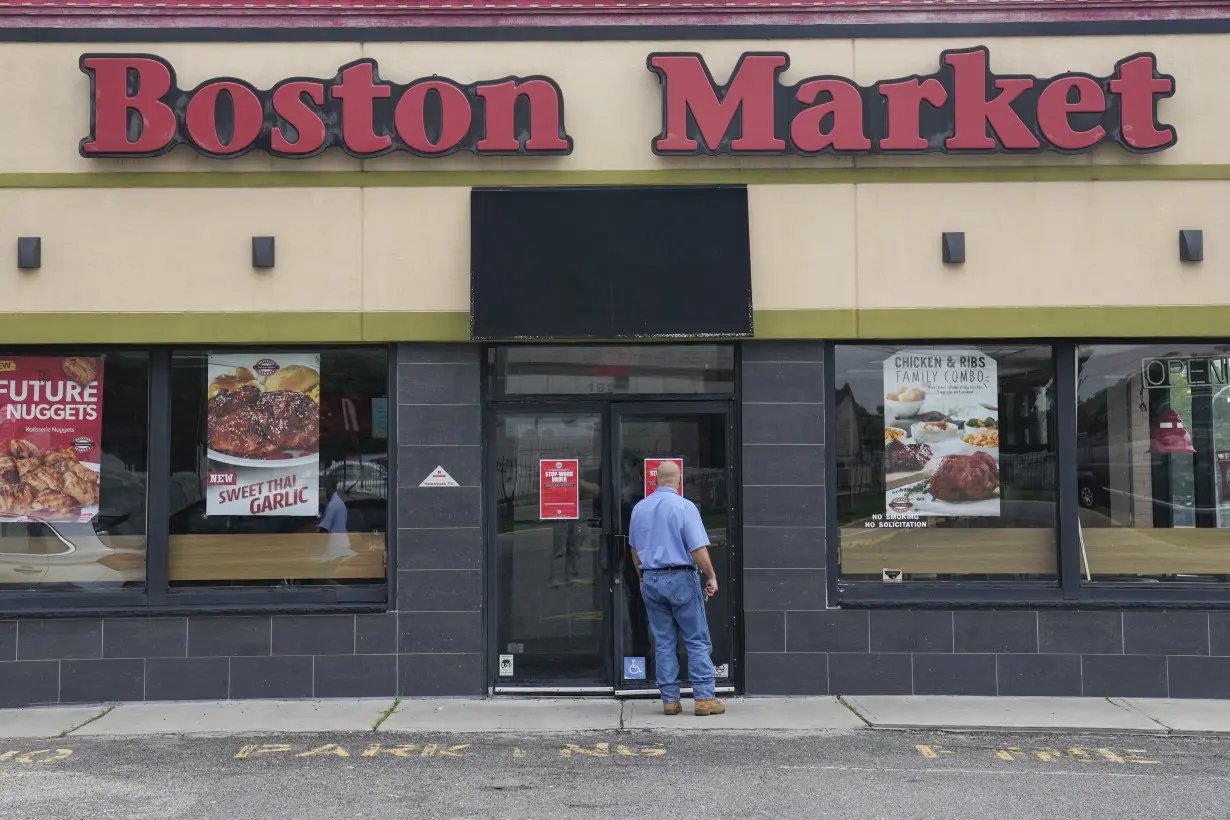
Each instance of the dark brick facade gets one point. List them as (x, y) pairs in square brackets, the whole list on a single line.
[(795, 645), (432, 643)]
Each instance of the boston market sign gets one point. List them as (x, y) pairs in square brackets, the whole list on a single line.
[(137, 110)]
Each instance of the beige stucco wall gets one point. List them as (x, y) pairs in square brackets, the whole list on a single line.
[(816, 247), (818, 243), (612, 104)]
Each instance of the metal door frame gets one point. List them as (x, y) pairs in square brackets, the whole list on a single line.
[(725, 408), (491, 538)]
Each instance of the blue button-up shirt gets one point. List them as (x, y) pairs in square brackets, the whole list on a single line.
[(665, 528)]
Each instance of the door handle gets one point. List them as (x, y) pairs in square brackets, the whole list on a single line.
[(27, 570)]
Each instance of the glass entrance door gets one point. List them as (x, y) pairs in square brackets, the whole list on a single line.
[(567, 606), (552, 570), (700, 438)]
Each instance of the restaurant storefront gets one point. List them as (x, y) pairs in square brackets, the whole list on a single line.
[(332, 363)]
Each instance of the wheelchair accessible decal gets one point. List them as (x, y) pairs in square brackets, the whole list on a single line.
[(634, 669)]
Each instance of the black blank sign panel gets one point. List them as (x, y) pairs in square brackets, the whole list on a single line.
[(609, 263)]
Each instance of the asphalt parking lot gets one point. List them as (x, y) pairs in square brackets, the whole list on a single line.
[(855, 775)]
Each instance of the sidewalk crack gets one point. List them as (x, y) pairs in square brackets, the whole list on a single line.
[(623, 704), (99, 716), (385, 714)]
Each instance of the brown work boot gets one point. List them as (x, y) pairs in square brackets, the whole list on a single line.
[(675, 708), (709, 707)]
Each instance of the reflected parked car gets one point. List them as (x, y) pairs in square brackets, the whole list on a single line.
[(44, 552)]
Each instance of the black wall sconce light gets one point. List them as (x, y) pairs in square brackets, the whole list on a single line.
[(952, 245), (1191, 246), (262, 251), (29, 252)]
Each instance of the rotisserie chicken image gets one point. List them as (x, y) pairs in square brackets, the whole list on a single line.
[(249, 423), (52, 485), (965, 478)]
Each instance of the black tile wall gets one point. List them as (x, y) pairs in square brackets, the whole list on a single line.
[(438, 625), (187, 678), (1219, 633), (1194, 677), (376, 634), (871, 674), (782, 673), (1166, 633), (420, 632), (783, 589), (230, 635), (954, 674), (904, 630), (1124, 676), (271, 677), (102, 681), (29, 683), (8, 641), (783, 504), (999, 632), (59, 639), (355, 676), (440, 548), (436, 675), (145, 638), (766, 631), (313, 634), (1090, 633), (463, 462), (834, 630), (1042, 675), (788, 547)]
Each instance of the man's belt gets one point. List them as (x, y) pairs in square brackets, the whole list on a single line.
[(673, 568)]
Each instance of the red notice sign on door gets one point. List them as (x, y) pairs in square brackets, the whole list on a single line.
[(559, 489), (651, 473)]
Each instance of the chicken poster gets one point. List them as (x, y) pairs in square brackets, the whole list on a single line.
[(263, 431), (941, 435), (50, 437)]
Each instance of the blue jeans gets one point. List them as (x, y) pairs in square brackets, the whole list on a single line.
[(676, 606)]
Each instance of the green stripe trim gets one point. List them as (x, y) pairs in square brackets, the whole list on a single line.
[(325, 327), (680, 176), (1092, 322), (232, 328)]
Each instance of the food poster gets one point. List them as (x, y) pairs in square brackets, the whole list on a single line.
[(263, 431), (941, 435), (50, 437), (651, 474), (559, 489)]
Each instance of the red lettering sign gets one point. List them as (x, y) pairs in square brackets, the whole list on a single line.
[(651, 473), (961, 108), (559, 489), (137, 110)]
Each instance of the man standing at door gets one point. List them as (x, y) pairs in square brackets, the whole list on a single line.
[(669, 544)]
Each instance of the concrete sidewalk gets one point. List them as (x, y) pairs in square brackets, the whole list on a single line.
[(558, 716)]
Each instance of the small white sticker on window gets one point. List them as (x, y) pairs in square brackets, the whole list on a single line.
[(506, 666)]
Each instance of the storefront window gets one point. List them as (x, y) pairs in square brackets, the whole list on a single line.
[(1154, 462), (612, 370), (73, 470), (279, 467), (945, 462)]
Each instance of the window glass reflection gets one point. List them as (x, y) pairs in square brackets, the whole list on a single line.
[(73, 470), (945, 462), (612, 369), (1154, 462)]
